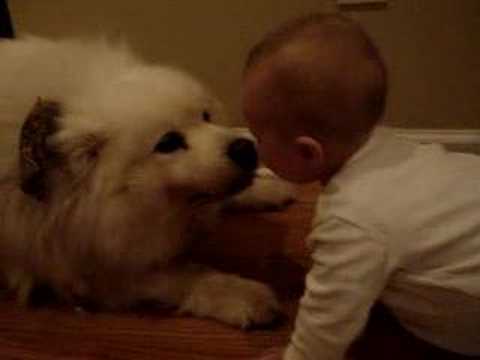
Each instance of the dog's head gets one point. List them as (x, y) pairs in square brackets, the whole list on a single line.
[(152, 134)]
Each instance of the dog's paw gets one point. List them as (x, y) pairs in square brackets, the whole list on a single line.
[(267, 193), (254, 305), (233, 300)]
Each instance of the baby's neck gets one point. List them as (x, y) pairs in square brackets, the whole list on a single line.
[(338, 154)]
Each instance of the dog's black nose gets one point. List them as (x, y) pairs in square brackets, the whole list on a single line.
[(243, 153)]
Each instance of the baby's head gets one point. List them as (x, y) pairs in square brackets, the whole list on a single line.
[(313, 91)]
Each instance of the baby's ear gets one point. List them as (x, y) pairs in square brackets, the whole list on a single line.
[(310, 149), (45, 148), (37, 158)]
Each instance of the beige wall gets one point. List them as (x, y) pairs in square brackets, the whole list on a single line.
[(432, 46)]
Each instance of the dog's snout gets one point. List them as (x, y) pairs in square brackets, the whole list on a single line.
[(243, 153)]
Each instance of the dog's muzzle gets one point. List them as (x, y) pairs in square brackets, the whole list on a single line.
[(243, 153)]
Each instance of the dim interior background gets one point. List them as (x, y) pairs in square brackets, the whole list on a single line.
[(432, 47)]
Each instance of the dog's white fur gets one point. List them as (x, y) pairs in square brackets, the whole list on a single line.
[(119, 215)]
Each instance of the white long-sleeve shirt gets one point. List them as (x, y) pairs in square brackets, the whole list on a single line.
[(400, 223)]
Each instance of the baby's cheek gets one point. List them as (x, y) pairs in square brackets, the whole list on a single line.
[(273, 160), (267, 155)]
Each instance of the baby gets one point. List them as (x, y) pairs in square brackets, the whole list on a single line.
[(397, 222)]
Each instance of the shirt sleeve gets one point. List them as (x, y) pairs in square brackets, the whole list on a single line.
[(347, 276)]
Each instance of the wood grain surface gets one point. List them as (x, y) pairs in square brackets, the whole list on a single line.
[(268, 247)]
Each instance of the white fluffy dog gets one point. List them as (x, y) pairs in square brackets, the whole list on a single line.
[(106, 166)]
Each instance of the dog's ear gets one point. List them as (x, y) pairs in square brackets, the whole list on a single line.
[(79, 151), (45, 148), (36, 156)]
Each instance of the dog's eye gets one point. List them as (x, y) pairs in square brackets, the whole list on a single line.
[(206, 116), (170, 142)]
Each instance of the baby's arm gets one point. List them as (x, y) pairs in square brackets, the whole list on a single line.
[(347, 276)]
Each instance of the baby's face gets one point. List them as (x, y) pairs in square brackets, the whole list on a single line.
[(257, 108), (274, 152), (268, 117)]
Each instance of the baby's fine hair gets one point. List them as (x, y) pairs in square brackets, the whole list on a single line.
[(331, 27)]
